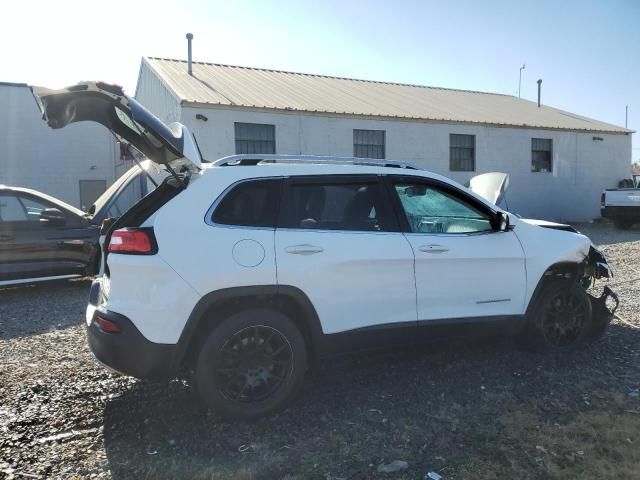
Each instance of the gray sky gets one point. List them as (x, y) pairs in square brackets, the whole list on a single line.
[(587, 52)]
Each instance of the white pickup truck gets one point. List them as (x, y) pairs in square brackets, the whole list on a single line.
[(622, 205)]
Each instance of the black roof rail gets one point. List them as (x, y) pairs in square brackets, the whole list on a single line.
[(257, 159)]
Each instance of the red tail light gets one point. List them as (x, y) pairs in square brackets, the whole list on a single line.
[(138, 241), (107, 325), (602, 199)]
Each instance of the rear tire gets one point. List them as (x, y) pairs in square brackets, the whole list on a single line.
[(560, 318), (251, 364), (623, 224)]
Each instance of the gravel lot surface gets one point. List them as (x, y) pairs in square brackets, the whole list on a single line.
[(472, 409)]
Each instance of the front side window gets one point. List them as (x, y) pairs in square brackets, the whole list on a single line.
[(368, 143), (33, 208), (462, 153), (336, 206), (541, 151), (255, 138), (429, 209), (253, 203)]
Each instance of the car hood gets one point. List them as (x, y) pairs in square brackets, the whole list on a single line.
[(490, 186), (493, 187), (553, 225), (172, 146)]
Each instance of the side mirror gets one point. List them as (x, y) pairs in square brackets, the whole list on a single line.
[(53, 216), (502, 222), (415, 191)]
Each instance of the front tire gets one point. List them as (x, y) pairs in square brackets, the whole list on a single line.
[(251, 364), (560, 318)]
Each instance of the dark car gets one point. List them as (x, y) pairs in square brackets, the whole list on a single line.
[(43, 238)]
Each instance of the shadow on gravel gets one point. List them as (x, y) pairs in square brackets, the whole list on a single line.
[(444, 407), (33, 309)]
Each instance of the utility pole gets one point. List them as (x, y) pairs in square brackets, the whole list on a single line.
[(520, 79)]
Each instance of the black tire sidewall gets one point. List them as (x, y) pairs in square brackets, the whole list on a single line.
[(535, 337), (207, 358)]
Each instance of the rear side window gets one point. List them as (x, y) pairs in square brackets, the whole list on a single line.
[(339, 206), (253, 203), (127, 197), (11, 209)]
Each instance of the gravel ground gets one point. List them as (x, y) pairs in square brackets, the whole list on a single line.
[(472, 409)]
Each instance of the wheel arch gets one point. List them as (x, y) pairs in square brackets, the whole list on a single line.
[(567, 270), (217, 305)]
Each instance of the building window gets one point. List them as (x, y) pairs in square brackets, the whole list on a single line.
[(368, 143), (255, 138), (541, 151), (462, 153)]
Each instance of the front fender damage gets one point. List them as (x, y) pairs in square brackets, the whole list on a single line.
[(603, 307), (596, 265)]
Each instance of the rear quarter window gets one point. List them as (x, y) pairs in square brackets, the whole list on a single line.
[(252, 203)]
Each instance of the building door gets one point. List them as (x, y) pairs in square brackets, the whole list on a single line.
[(90, 190)]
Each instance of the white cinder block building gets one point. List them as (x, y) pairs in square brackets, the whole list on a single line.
[(74, 164), (558, 161)]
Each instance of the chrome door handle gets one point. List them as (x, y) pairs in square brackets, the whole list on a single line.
[(303, 249), (433, 248)]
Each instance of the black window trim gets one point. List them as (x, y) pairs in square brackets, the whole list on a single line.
[(389, 223), (208, 217), (390, 180)]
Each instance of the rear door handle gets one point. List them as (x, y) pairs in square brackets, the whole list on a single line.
[(433, 248), (304, 249)]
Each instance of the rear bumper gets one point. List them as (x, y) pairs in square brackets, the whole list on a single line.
[(620, 212), (127, 352)]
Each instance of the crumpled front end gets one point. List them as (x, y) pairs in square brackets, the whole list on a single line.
[(603, 307)]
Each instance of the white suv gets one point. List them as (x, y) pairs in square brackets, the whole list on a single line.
[(247, 270)]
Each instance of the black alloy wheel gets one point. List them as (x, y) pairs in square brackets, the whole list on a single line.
[(253, 364), (560, 317), (565, 317)]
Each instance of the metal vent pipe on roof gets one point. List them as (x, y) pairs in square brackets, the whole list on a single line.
[(189, 58), (539, 88)]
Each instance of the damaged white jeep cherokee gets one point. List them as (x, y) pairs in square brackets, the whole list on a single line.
[(245, 271)]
